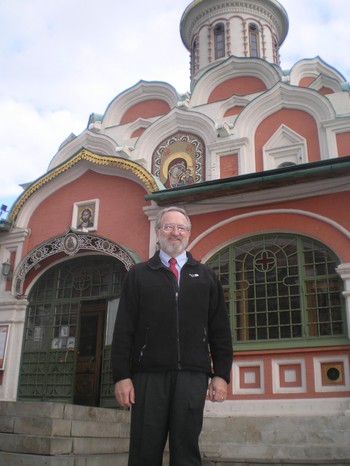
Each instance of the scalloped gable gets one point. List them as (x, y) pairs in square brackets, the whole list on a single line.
[(176, 121), (129, 166), (237, 86), (95, 142), (262, 76), (235, 110), (146, 109), (132, 103), (306, 71)]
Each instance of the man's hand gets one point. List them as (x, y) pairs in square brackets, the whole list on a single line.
[(217, 390), (124, 393)]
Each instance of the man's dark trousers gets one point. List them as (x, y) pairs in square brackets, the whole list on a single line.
[(167, 403)]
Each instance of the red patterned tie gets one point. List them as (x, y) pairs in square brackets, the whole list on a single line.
[(172, 267)]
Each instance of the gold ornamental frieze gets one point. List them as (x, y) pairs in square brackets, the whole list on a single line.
[(106, 160)]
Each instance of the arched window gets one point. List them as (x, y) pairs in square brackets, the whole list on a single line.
[(254, 40), (275, 51), (282, 288), (193, 57), (219, 40)]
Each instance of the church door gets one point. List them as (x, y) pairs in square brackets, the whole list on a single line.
[(89, 354), (67, 334)]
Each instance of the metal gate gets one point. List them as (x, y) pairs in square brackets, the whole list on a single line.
[(63, 306)]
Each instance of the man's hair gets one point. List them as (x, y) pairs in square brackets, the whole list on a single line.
[(172, 209)]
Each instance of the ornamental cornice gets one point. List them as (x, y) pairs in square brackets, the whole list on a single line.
[(272, 13), (85, 155)]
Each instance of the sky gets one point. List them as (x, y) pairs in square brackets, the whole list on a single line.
[(62, 60)]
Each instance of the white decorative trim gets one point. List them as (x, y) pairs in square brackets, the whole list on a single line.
[(236, 408), (234, 68), (237, 388), (285, 145), (313, 67), (343, 271), (276, 375), (305, 213), (87, 223), (141, 92)]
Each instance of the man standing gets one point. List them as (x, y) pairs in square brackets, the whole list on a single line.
[(172, 334)]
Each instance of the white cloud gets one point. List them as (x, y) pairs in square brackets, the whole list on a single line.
[(28, 142), (61, 60), (318, 28)]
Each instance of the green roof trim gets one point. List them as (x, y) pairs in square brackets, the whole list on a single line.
[(5, 225), (295, 174)]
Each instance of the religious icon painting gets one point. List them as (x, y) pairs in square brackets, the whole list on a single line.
[(85, 215), (179, 161)]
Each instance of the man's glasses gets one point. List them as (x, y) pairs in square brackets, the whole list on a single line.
[(170, 227)]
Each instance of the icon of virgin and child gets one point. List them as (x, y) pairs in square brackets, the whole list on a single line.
[(179, 173)]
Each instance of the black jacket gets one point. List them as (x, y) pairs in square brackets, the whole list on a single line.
[(161, 327)]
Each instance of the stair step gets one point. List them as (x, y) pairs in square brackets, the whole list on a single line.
[(61, 411), (15, 459), (255, 462), (54, 434), (42, 445)]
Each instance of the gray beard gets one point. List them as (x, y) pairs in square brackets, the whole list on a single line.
[(172, 249)]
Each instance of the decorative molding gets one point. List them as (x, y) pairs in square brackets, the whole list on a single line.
[(70, 243), (248, 377), (271, 12), (285, 145), (337, 365), (141, 92), (234, 67), (313, 67), (111, 161), (289, 375)]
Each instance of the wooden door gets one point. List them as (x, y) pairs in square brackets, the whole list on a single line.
[(88, 364)]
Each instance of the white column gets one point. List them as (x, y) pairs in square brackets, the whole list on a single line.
[(344, 271), (13, 313)]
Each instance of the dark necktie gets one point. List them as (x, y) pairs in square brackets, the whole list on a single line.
[(172, 267)]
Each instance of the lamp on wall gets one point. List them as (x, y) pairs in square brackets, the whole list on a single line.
[(5, 269), (3, 209)]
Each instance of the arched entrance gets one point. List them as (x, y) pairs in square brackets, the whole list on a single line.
[(68, 332)]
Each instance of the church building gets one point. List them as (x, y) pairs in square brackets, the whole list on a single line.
[(259, 157)]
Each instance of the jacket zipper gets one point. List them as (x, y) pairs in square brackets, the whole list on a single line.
[(177, 330), (144, 346), (177, 321)]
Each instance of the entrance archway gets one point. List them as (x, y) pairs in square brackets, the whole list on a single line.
[(68, 332)]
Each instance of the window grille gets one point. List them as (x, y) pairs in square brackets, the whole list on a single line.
[(219, 40), (281, 288), (254, 40)]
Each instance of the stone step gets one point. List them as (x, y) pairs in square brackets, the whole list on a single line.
[(61, 411), (65, 435), (34, 425), (279, 453), (41, 445), (15, 459), (275, 429), (276, 462)]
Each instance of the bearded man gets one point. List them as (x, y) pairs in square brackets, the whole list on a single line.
[(171, 347)]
